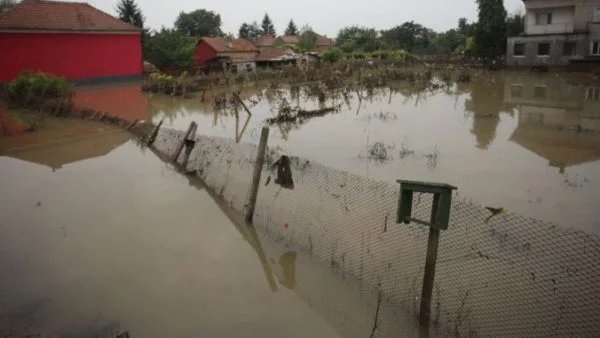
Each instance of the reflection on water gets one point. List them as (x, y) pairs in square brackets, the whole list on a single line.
[(117, 240), (490, 137), (508, 140)]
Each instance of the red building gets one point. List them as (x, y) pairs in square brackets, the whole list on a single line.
[(73, 40), (210, 48)]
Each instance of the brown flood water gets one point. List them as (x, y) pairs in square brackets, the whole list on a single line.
[(527, 142), (98, 235)]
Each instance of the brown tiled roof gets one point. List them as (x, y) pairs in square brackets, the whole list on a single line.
[(289, 39), (323, 41), (264, 41), (57, 15), (222, 45), (269, 54)]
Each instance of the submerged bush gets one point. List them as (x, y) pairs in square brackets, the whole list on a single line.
[(33, 90)]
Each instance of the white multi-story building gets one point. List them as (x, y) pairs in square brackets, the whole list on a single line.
[(557, 32)]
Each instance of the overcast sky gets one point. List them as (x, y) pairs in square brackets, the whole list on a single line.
[(324, 16)]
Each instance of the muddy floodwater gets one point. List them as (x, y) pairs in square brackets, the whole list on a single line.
[(99, 236), (529, 143)]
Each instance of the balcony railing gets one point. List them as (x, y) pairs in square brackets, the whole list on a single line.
[(554, 28)]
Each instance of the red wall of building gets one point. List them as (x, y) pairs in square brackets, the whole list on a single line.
[(74, 56), (203, 53)]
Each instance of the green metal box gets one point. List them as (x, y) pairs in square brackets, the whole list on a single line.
[(442, 200)]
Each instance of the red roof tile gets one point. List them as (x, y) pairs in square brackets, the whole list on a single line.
[(289, 39), (264, 41), (57, 15), (323, 41), (222, 45)]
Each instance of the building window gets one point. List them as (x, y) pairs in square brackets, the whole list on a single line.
[(570, 49), (519, 49), (597, 14), (540, 92), (595, 50), (543, 49), (516, 91), (543, 18), (592, 94)]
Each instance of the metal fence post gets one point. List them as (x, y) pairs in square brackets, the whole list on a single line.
[(430, 261), (260, 159)]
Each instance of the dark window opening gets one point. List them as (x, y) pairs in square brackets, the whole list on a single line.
[(543, 49), (543, 18), (519, 49)]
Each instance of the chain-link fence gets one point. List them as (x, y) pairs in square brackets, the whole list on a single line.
[(501, 276)]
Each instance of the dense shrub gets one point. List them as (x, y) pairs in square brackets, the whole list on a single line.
[(333, 55), (33, 90)]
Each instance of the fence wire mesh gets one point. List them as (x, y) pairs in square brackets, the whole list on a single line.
[(506, 275)]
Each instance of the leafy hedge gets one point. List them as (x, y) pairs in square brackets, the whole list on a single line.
[(33, 90)]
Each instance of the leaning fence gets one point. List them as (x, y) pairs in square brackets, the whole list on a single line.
[(507, 275), (503, 276)]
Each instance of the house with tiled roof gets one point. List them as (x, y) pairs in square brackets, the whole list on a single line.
[(69, 39), (239, 52), (264, 41), (287, 40), (323, 44)]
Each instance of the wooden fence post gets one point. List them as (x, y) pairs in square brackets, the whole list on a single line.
[(260, 159), (154, 133), (179, 148), (133, 123), (189, 144)]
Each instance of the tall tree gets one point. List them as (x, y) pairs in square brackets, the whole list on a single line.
[(130, 12), (249, 31), (169, 48), (490, 30), (291, 29), (515, 24), (244, 31), (199, 23), (6, 4), (409, 36), (307, 39), (267, 26), (355, 38)]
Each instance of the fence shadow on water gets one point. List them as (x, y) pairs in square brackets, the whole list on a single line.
[(501, 276)]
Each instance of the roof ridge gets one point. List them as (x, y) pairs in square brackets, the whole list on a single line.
[(61, 16)]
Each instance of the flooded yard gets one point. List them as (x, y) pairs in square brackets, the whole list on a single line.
[(529, 143), (99, 236)]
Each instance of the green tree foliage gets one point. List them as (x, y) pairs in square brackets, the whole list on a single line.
[(410, 36), (333, 55), (307, 39), (267, 26), (515, 24), (6, 4), (448, 42), (130, 12), (355, 38), (490, 30), (199, 23), (291, 29), (249, 31), (170, 48)]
